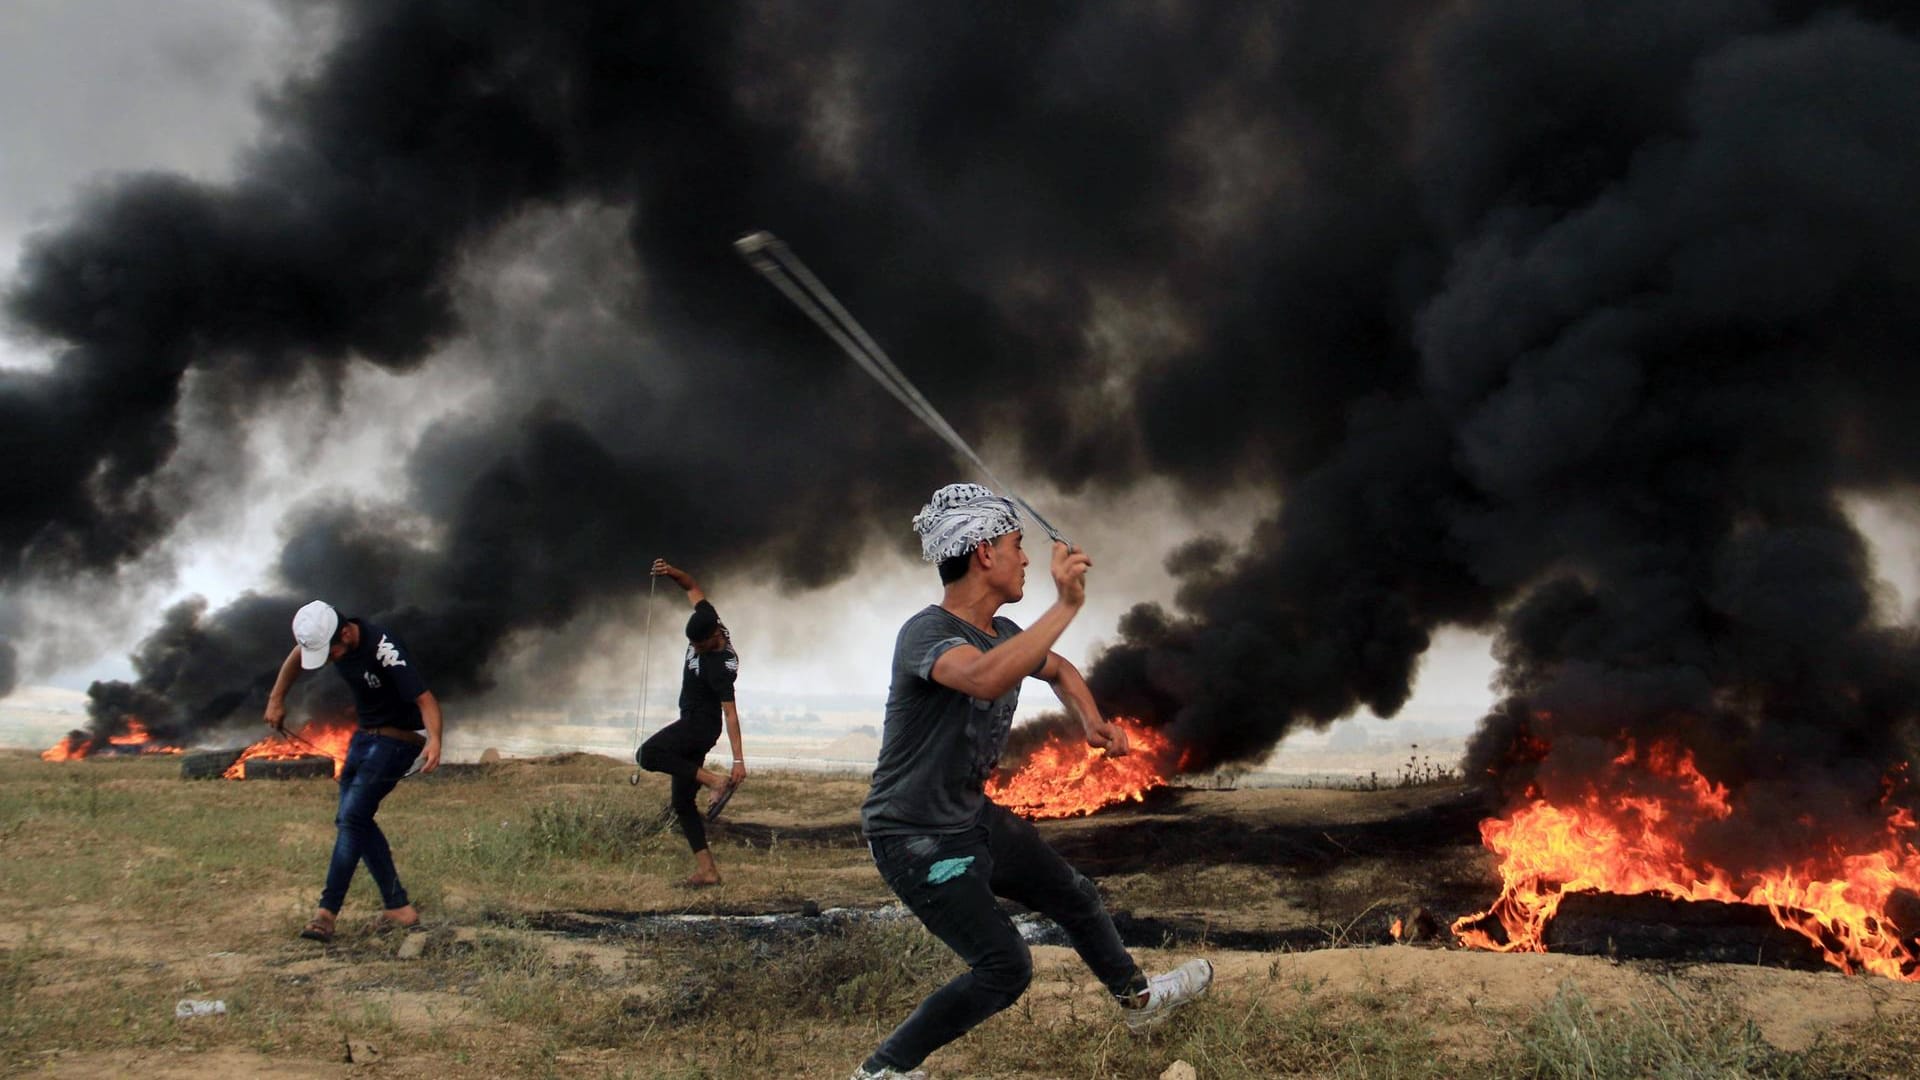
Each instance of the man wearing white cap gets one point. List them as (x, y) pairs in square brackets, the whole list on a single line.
[(942, 847), (399, 723)]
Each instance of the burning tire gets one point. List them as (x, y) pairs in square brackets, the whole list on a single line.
[(298, 768), (206, 764)]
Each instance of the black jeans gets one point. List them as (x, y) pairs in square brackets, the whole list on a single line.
[(679, 750), (950, 882)]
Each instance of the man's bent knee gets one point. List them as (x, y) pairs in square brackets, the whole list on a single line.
[(652, 758), (355, 814), (1088, 892), (1006, 976)]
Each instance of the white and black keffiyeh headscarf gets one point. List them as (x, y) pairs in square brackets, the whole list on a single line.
[(960, 516)]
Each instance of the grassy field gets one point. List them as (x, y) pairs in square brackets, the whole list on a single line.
[(124, 890)]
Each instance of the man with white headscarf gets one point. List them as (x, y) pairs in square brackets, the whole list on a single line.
[(941, 845)]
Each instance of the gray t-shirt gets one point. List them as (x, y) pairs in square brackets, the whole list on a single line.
[(939, 746)]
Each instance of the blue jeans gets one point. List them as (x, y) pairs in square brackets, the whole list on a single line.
[(375, 763), (950, 882)]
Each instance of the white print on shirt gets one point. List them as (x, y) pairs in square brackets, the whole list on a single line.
[(693, 662), (372, 679), (388, 655)]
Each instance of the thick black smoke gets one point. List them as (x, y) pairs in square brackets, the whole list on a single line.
[(1570, 322), (719, 422), (1649, 325), (195, 672)]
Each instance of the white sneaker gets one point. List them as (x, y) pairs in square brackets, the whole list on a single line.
[(1168, 992), (863, 1073)]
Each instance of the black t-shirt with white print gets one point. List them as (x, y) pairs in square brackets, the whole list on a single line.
[(707, 679), (384, 679)]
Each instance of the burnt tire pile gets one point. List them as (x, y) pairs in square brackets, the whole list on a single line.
[(299, 768), (206, 764)]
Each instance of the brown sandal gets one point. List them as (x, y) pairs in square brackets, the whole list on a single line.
[(317, 929)]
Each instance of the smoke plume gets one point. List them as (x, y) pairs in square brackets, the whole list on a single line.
[(1567, 323), (1646, 329), (9, 667)]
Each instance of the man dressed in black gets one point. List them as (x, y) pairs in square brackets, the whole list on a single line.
[(680, 749), (399, 722)]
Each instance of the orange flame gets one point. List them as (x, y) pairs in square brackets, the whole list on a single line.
[(320, 738), (135, 740), (1066, 777), (1634, 839), (71, 748), (137, 735)]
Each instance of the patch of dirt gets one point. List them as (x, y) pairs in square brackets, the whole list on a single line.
[(187, 1065), (1789, 1007), (1458, 991), (420, 1010)]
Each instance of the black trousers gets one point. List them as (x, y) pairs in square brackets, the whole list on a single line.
[(679, 750), (950, 882)]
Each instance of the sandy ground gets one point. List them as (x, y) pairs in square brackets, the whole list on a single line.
[(1454, 991), (1337, 864)]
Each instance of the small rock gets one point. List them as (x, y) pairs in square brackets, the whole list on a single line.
[(1180, 1070), (411, 947), (191, 1007), (489, 756), (361, 1053)]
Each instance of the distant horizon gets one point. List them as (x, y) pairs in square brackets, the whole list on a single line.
[(1349, 749)]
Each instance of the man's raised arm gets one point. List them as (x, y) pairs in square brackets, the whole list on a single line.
[(681, 578), (987, 675)]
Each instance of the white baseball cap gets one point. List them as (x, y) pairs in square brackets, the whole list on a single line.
[(313, 628)]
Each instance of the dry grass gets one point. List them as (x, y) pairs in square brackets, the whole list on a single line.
[(123, 890)]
